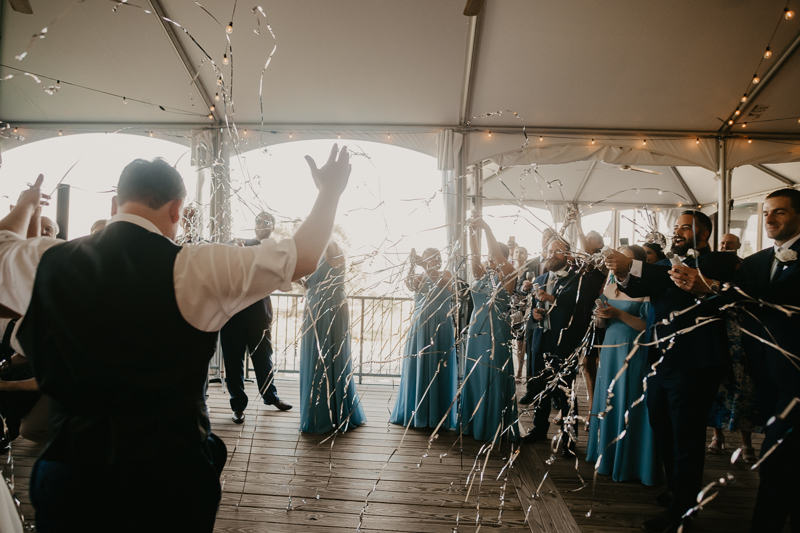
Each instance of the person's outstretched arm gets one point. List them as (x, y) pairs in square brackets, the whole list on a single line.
[(311, 238), (27, 209)]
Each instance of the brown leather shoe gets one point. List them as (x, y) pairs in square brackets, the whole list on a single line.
[(281, 405), (238, 417)]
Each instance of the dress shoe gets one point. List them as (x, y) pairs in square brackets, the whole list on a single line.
[(238, 417), (534, 436), (663, 499), (281, 405), (526, 400), (666, 522)]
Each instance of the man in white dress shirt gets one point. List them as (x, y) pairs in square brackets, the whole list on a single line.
[(119, 327)]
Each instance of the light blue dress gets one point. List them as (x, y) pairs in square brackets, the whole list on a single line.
[(636, 455), (425, 397), (328, 397), (489, 382)]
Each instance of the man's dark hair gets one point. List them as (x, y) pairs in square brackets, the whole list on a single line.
[(152, 183), (504, 250), (267, 214), (596, 235), (701, 221), (792, 194)]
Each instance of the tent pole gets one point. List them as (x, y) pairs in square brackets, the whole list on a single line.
[(723, 203), (760, 231), (220, 211)]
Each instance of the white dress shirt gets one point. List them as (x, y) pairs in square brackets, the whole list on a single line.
[(785, 246), (213, 282)]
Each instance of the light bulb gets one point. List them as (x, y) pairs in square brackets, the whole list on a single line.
[(210, 117), (744, 124), (788, 14), (744, 98), (768, 53), (680, 205), (229, 29), (749, 141), (644, 142), (212, 108), (756, 79), (697, 141), (224, 59), (541, 138), (245, 132), (15, 130), (216, 97), (490, 134), (660, 192), (339, 136), (124, 100), (730, 122), (592, 141), (290, 136), (699, 206), (59, 132), (151, 134), (219, 81), (737, 112), (388, 135)]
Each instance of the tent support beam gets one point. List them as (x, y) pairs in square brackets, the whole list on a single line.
[(768, 77), (473, 45), (158, 9), (584, 182), (682, 182), (777, 176), (724, 197)]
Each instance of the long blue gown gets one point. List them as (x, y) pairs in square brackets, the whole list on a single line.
[(328, 397), (425, 397), (491, 384), (636, 455)]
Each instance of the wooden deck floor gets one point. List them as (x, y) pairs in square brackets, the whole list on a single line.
[(280, 480)]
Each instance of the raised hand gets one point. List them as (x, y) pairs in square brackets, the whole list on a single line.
[(619, 263), (690, 279), (32, 198), (332, 178), (542, 296)]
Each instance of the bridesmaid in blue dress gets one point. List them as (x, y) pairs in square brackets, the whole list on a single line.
[(488, 395), (328, 397), (635, 456), (429, 377)]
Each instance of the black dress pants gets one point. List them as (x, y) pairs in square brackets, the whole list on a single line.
[(678, 402), (180, 492), (237, 338)]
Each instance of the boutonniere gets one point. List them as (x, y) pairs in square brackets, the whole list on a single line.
[(562, 273), (786, 256), (691, 253)]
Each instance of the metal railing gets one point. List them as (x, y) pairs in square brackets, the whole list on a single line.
[(378, 329)]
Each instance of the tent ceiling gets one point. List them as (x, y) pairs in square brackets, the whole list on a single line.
[(678, 65)]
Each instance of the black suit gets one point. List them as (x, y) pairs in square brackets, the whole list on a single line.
[(681, 393), (249, 330), (569, 318), (777, 379)]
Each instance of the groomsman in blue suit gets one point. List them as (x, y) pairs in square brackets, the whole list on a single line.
[(680, 395), (771, 275)]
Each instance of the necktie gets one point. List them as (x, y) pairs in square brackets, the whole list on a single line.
[(776, 266)]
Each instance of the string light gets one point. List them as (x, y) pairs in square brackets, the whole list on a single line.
[(788, 14), (697, 141), (749, 141), (245, 132), (59, 132), (680, 205), (490, 133), (219, 81), (124, 100), (744, 98), (225, 58), (291, 136), (210, 117), (151, 134), (730, 122), (768, 53), (744, 124), (229, 29), (592, 141), (756, 79), (541, 138), (389, 135), (339, 136), (737, 112), (15, 130), (212, 108), (216, 97), (644, 142)]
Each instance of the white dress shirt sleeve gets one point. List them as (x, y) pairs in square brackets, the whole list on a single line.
[(213, 282), (19, 258), (636, 270)]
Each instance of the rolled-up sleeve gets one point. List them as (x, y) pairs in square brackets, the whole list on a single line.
[(19, 259), (213, 282)]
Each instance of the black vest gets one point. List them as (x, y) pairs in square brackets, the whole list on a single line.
[(108, 344)]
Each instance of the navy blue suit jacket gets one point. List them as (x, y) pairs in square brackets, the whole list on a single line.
[(703, 347), (777, 378)]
